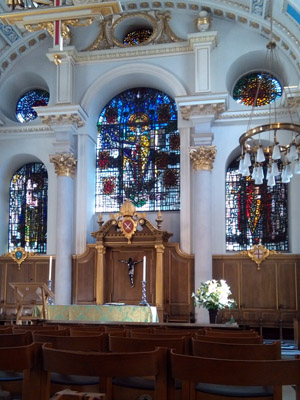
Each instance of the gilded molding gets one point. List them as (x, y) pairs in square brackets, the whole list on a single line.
[(202, 109), (100, 249), (160, 248), (64, 163), (65, 30), (203, 157), (159, 22), (258, 253)]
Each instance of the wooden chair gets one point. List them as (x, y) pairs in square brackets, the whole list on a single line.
[(224, 339), (95, 343), (236, 351), (25, 362), (16, 339), (75, 332), (118, 344), (4, 329), (135, 387), (107, 366), (231, 379), (34, 327), (230, 333)]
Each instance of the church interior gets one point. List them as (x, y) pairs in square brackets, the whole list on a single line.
[(148, 148)]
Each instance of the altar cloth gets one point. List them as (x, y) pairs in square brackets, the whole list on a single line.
[(101, 313)]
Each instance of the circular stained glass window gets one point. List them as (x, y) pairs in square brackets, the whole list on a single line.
[(138, 36), (32, 98), (257, 89)]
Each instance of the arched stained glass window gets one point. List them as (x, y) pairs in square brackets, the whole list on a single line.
[(32, 98), (257, 89), (138, 152), (28, 208), (255, 213)]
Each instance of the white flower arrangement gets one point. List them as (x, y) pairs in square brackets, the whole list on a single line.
[(213, 294)]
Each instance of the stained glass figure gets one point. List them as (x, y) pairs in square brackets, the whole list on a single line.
[(257, 89), (28, 208), (33, 98), (138, 152), (255, 213), (137, 37)]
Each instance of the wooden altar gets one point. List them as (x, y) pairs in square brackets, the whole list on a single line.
[(100, 276)]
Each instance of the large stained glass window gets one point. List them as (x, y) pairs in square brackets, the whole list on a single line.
[(138, 152), (257, 89), (255, 213), (28, 208), (32, 98)]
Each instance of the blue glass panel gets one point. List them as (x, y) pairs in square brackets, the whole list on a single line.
[(138, 152), (33, 98)]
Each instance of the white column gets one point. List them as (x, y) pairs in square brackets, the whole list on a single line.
[(65, 164), (85, 196), (202, 158), (185, 191)]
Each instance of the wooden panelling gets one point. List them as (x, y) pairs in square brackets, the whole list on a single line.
[(265, 297), (178, 278), (34, 269)]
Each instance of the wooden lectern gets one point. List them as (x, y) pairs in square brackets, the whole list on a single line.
[(30, 294)]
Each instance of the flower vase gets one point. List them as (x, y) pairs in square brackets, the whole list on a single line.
[(213, 313)]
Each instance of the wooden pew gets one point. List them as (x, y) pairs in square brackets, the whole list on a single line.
[(236, 350), (25, 360), (22, 338), (107, 366), (230, 333), (226, 339), (95, 343), (215, 379)]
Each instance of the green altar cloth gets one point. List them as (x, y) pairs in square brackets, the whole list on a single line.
[(101, 313)]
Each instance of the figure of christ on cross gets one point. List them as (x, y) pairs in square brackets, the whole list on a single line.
[(130, 263)]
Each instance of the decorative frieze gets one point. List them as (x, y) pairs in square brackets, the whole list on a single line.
[(203, 157), (188, 111), (63, 119), (64, 163)]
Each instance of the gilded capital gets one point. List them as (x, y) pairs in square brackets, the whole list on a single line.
[(203, 157), (64, 163)]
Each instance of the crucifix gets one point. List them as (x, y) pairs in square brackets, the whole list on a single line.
[(130, 263)]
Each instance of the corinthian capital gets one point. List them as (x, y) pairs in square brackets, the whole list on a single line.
[(203, 157), (64, 163)]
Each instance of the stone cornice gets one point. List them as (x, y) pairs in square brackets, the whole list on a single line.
[(62, 115), (199, 106)]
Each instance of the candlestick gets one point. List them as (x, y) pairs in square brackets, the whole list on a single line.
[(144, 268), (50, 268), (144, 301)]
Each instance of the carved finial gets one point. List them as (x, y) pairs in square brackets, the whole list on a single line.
[(159, 219), (100, 221)]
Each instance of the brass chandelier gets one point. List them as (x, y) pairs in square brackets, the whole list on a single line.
[(271, 150)]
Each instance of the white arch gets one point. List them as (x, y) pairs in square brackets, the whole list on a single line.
[(126, 77)]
